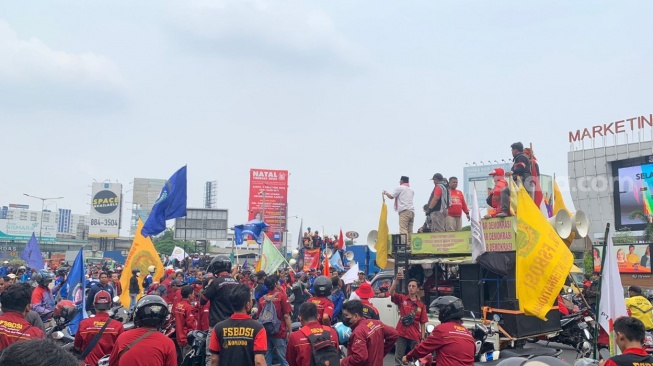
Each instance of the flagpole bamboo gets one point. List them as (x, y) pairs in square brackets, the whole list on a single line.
[(598, 297)]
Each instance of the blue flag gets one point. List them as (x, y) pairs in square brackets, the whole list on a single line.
[(252, 228), (336, 262), (245, 265), (32, 254), (170, 205), (76, 282)]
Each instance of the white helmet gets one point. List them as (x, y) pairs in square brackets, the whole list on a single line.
[(151, 269)]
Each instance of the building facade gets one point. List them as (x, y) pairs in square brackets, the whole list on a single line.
[(146, 192)]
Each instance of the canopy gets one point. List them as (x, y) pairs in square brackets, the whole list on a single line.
[(501, 263)]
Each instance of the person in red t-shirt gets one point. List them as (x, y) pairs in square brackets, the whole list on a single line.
[(184, 319), (494, 198), (89, 327), (456, 207), (411, 331), (322, 287), (149, 347), (299, 348), (277, 342), (15, 301), (630, 334), (365, 293), (370, 340)]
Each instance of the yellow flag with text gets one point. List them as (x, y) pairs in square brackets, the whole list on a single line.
[(543, 260), (381, 245), (141, 255)]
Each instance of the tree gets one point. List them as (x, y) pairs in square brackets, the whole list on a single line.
[(623, 236), (467, 228), (166, 243), (648, 219)]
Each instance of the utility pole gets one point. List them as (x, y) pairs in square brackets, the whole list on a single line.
[(43, 199)]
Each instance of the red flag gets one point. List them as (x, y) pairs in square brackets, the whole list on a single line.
[(341, 241), (327, 271), (535, 176)]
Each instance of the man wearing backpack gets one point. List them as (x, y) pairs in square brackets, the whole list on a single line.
[(274, 315), (370, 340), (438, 205), (314, 344)]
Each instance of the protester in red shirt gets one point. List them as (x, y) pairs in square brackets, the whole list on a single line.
[(629, 336), (152, 348), (325, 308), (277, 342), (88, 328), (365, 292), (299, 347), (410, 306), (370, 340), (494, 199), (452, 343), (15, 301), (185, 321), (456, 207)]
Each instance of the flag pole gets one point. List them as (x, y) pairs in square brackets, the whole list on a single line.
[(598, 298)]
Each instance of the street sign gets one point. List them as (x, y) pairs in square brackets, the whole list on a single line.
[(351, 235)]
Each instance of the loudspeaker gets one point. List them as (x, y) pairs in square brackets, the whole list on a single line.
[(561, 222), (580, 224), (522, 325), (501, 289), (471, 296), (469, 272), (371, 240), (349, 255)]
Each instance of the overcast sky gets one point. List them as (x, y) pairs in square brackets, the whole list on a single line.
[(346, 95)]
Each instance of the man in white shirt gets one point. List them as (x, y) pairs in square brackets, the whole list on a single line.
[(403, 196)]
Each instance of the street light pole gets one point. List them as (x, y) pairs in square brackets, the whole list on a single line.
[(43, 199)]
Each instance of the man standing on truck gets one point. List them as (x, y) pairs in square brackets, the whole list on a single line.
[(412, 317), (403, 196)]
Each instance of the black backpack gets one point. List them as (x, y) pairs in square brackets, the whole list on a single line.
[(323, 352)]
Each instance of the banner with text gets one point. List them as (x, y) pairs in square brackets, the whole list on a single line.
[(106, 199), (451, 242), (268, 200), (311, 259), (499, 234)]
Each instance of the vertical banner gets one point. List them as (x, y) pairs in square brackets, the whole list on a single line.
[(311, 259), (270, 259), (105, 210), (268, 200)]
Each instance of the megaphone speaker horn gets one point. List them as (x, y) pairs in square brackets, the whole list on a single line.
[(561, 222), (371, 240), (328, 252), (349, 255), (580, 224)]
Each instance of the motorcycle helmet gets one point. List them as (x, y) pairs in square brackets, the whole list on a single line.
[(219, 263), (62, 271), (448, 308), (66, 310), (322, 286), (151, 269), (150, 311), (135, 270), (22, 268), (43, 278), (102, 300), (343, 332)]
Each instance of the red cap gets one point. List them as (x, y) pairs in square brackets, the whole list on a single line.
[(497, 171), (365, 291), (169, 271), (102, 298)]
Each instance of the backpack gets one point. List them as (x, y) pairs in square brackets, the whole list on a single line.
[(323, 352), (268, 317), (445, 199)]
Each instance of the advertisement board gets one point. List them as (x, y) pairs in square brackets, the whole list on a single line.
[(451, 242), (268, 200), (21, 230), (635, 184), (106, 199), (631, 258)]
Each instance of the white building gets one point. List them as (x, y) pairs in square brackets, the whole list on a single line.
[(146, 192)]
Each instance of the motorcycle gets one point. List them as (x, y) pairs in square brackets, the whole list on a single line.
[(119, 313), (577, 331)]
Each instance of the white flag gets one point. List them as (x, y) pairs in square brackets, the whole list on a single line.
[(478, 238), (351, 275), (178, 254), (612, 302)]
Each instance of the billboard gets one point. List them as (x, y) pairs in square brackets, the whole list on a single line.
[(202, 224), (106, 199), (631, 258), (268, 200), (21, 230), (477, 175), (633, 196)]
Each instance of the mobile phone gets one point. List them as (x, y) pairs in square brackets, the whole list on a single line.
[(604, 353)]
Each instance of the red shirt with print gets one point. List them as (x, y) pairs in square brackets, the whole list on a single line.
[(496, 193), (452, 343), (203, 316), (634, 356), (407, 306), (299, 351), (87, 330), (324, 306), (458, 204), (154, 350), (184, 321), (14, 327), (283, 307)]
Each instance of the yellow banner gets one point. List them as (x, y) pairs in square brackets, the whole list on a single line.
[(543, 260), (499, 234), (450, 242), (141, 255), (381, 245)]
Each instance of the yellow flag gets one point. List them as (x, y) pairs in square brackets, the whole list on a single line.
[(381, 245), (141, 255), (514, 189), (543, 260)]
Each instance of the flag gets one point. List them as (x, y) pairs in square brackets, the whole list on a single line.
[(32, 254), (170, 204), (76, 282), (381, 245), (178, 254), (142, 254), (612, 304), (543, 260), (327, 269), (336, 262), (341, 241), (535, 177), (252, 228), (351, 275), (514, 192), (311, 259), (300, 244), (245, 266), (270, 259), (545, 207), (478, 238)]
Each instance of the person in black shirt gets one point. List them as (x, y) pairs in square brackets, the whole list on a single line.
[(134, 289), (239, 340), (520, 171)]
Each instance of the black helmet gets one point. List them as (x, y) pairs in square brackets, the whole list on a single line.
[(322, 286), (61, 271), (150, 311), (135, 270), (448, 308), (219, 263), (43, 278)]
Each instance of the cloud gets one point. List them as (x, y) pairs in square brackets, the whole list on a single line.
[(33, 74), (283, 34)]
